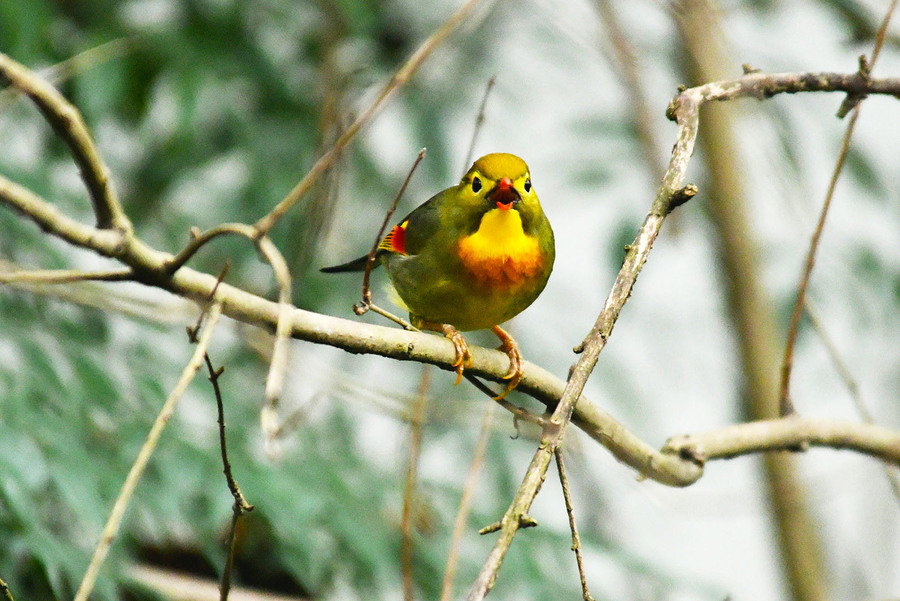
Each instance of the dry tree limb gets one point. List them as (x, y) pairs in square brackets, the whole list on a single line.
[(786, 434), (684, 109), (66, 120)]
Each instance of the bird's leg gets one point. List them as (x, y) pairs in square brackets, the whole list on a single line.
[(516, 368), (463, 356)]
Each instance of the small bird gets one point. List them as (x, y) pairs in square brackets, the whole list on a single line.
[(471, 257)]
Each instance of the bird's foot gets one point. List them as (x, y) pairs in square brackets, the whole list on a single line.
[(516, 366), (463, 356)]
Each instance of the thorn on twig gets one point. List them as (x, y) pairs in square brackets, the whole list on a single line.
[(749, 69)]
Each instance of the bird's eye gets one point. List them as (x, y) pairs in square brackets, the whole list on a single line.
[(527, 185), (476, 185)]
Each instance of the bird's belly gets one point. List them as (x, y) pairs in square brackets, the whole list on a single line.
[(466, 301)]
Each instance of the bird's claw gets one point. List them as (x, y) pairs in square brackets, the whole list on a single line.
[(516, 367), (463, 356)]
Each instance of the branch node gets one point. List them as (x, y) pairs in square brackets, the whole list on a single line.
[(526, 521), (678, 198), (749, 69)]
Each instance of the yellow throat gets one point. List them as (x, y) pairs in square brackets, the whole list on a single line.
[(500, 253)]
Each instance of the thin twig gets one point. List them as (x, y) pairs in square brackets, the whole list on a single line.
[(518, 412), (240, 505), (370, 262), (58, 73), (137, 469), (479, 122), (576, 540), (397, 81), (462, 514), (865, 68), (64, 276), (283, 328), (409, 488), (4, 589), (282, 344), (786, 406), (68, 123), (844, 373), (387, 314)]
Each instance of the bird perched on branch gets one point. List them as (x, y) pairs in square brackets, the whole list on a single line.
[(472, 257)]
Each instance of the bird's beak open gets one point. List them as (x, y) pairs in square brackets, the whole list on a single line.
[(504, 194)]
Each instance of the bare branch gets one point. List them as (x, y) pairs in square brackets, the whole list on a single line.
[(63, 276), (786, 434), (786, 406), (479, 121), (67, 122), (106, 242)]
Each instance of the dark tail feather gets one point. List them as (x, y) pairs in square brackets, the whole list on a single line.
[(354, 265)]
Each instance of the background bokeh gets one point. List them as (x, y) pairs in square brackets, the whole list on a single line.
[(211, 110)]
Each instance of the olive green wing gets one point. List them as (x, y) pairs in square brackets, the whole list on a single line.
[(409, 237)]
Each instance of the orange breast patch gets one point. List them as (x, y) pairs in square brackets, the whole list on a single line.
[(500, 270)]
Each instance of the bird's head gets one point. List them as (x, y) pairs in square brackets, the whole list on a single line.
[(499, 182)]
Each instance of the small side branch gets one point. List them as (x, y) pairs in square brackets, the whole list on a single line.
[(576, 540), (462, 514), (240, 505)]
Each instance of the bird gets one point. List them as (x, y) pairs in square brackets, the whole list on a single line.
[(471, 257)]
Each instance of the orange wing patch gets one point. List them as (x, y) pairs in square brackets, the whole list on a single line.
[(395, 241)]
